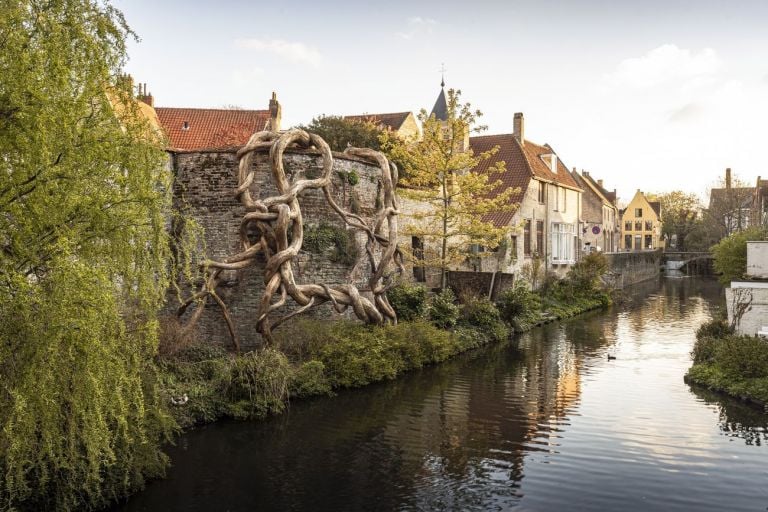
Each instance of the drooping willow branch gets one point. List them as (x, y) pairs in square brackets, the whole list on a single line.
[(279, 227)]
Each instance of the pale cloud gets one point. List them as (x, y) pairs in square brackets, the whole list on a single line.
[(418, 26), (687, 113), (663, 65), (291, 50)]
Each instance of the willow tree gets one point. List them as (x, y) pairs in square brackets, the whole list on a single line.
[(83, 261), (453, 193)]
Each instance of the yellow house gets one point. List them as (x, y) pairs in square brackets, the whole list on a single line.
[(641, 225)]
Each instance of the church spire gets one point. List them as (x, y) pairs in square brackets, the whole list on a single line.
[(440, 110)]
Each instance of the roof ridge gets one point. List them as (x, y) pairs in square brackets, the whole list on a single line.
[(216, 109)]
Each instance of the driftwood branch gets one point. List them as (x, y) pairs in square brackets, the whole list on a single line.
[(280, 226)]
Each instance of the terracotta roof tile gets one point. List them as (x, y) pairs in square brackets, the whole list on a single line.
[(210, 128), (522, 164), (393, 120)]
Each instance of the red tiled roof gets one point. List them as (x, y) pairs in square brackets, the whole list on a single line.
[(393, 121), (209, 128), (522, 164), (517, 174)]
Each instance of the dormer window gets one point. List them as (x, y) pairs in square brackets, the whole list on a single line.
[(185, 125), (551, 161)]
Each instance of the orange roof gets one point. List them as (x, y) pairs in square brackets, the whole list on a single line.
[(393, 121), (522, 164), (209, 128)]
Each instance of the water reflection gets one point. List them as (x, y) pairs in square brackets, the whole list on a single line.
[(543, 422)]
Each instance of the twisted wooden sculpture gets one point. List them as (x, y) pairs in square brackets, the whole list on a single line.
[(279, 226)]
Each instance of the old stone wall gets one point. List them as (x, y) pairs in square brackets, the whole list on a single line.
[(479, 283), (628, 268), (204, 190)]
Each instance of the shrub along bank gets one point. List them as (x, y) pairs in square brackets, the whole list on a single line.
[(313, 357), (726, 362), (316, 357)]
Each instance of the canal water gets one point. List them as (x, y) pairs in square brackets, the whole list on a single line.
[(545, 422)]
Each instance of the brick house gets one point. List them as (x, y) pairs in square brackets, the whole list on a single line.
[(599, 214)]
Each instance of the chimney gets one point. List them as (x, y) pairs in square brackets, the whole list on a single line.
[(144, 97), (519, 125), (600, 183), (275, 113), (728, 178)]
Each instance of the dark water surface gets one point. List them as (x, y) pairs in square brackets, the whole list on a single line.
[(544, 422)]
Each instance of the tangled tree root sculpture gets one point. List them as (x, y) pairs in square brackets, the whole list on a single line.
[(279, 226)]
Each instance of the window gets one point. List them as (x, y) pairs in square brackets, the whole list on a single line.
[(648, 242), (513, 247), (540, 237), (542, 192), (527, 238), (417, 247), (627, 242), (638, 212), (649, 225), (562, 242), (638, 225), (628, 225), (638, 242)]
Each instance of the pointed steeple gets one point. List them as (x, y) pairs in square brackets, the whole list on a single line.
[(440, 110)]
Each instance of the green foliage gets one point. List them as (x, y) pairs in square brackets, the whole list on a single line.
[(341, 133), (458, 202), (731, 254), (408, 300), (309, 379), (481, 313), (219, 384), (443, 310), (259, 384), (680, 210), (742, 356), (716, 378), (715, 328), (323, 237), (84, 201), (520, 307), (584, 276)]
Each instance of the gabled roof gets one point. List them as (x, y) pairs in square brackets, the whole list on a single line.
[(208, 128), (440, 110), (522, 164), (392, 121), (720, 195), (586, 181)]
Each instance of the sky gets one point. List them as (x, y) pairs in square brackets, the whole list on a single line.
[(656, 95)]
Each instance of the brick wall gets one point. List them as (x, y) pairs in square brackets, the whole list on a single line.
[(204, 190)]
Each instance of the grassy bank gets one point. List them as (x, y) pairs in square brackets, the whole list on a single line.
[(317, 357), (728, 363), (312, 358)]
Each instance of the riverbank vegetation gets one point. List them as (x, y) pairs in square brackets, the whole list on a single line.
[(84, 251), (316, 357), (727, 362)]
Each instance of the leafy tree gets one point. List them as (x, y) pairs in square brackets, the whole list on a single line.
[(681, 215), (731, 254), (83, 261), (438, 172), (340, 133)]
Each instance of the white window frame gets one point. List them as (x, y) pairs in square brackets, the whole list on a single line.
[(562, 242)]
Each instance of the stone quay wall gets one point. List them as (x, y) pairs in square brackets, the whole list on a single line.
[(204, 188), (628, 268)]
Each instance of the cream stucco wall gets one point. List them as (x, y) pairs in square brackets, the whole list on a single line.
[(648, 214)]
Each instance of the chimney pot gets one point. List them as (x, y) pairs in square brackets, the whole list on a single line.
[(519, 128), (600, 182), (728, 178)]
